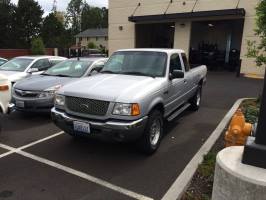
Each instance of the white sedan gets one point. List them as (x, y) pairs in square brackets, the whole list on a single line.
[(5, 94)]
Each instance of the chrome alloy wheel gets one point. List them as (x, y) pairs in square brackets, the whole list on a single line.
[(155, 132)]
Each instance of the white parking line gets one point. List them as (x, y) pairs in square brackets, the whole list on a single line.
[(85, 176), (69, 170), (40, 141), (15, 150)]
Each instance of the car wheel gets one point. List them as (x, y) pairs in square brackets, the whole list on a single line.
[(196, 100), (153, 132)]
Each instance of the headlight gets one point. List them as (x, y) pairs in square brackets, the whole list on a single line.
[(126, 109), (47, 94), (50, 92), (59, 100)]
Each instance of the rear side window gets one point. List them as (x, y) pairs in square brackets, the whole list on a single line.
[(185, 61), (54, 62), (175, 63), (42, 64)]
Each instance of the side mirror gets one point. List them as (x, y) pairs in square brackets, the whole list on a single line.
[(33, 70), (176, 74)]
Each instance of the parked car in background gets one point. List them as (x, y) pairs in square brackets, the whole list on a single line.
[(36, 94), (92, 53), (5, 94), (2, 61), (136, 90), (22, 67)]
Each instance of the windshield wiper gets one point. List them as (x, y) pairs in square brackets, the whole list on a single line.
[(138, 74), (47, 74), (62, 75), (108, 72)]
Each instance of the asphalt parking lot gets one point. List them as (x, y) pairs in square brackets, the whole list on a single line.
[(37, 161)]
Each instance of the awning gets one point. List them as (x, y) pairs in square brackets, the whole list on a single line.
[(240, 12)]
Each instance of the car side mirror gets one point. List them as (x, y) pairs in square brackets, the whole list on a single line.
[(33, 70), (176, 74)]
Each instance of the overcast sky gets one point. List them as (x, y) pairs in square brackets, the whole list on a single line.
[(62, 4)]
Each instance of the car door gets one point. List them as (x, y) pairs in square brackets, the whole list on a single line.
[(40, 66), (189, 85), (175, 86)]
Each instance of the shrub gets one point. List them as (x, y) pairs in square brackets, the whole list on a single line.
[(37, 46)]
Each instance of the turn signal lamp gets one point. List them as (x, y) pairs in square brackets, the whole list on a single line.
[(4, 87)]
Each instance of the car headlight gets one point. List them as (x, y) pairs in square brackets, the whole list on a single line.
[(50, 92), (59, 100), (126, 109)]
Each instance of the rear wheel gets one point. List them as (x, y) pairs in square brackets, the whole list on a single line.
[(196, 99), (153, 132)]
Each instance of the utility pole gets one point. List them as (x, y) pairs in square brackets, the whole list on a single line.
[(255, 149), (54, 9)]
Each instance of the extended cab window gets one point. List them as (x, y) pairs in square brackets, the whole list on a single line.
[(175, 63), (185, 61)]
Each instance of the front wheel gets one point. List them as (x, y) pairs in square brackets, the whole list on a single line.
[(196, 99), (153, 132)]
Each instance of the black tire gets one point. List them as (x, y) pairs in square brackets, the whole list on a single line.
[(146, 144), (196, 99)]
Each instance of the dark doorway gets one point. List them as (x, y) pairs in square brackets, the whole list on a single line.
[(217, 44), (155, 35)]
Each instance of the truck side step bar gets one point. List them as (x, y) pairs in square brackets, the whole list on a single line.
[(178, 112)]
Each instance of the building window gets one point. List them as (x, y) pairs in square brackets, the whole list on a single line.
[(88, 38), (106, 38), (80, 39), (96, 38)]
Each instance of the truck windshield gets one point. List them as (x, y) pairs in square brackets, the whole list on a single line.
[(69, 68), (16, 64), (139, 63)]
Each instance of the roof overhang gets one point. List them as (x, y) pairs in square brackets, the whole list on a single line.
[(233, 13)]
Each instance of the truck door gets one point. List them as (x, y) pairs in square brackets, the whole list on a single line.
[(188, 80), (175, 86)]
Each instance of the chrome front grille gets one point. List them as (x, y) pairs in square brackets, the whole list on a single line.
[(27, 94), (87, 106)]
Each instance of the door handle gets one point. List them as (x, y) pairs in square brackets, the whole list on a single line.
[(185, 81)]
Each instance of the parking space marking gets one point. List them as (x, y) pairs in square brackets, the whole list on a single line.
[(85, 176), (69, 170), (41, 140), (12, 150)]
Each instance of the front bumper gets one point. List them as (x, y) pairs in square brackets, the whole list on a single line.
[(108, 130), (33, 105)]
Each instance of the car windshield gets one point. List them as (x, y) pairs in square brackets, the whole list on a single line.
[(69, 68), (16, 64), (140, 63)]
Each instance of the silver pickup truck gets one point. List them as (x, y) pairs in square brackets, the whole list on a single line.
[(131, 97)]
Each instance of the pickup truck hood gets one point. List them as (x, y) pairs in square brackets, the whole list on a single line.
[(41, 82), (14, 76), (114, 88)]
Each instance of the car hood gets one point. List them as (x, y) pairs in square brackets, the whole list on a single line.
[(114, 88), (41, 82), (14, 76)]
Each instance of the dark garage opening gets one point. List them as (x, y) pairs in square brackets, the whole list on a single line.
[(155, 35), (217, 44)]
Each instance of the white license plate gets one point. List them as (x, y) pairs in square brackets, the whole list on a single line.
[(20, 104), (81, 127)]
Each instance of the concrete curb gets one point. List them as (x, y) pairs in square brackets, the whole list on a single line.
[(183, 180)]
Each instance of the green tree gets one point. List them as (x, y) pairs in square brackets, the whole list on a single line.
[(94, 17), (52, 30), (91, 45), (257, 51), (28, 21), (73, 15), (37, 46), (7, 11)]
